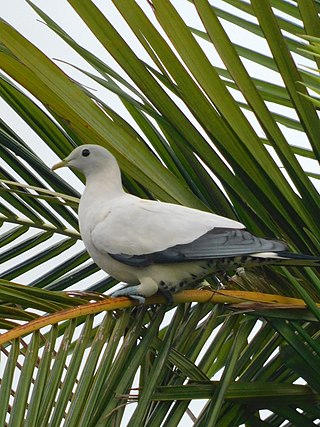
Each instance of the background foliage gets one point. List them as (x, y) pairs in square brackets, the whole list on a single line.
[(215, 137)]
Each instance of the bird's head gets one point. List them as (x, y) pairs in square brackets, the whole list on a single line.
[(87, 159)]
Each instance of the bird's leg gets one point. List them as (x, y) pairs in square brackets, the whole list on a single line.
[(167, 294), (146, 288)]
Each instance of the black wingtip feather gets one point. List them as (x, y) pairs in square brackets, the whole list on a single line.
[(304, 259)]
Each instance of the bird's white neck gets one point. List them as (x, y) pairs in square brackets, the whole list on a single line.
[(105, 183)]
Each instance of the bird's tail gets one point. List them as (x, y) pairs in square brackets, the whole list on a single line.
[(289, 258)]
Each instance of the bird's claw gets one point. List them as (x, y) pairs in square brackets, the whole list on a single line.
[(130, 292)]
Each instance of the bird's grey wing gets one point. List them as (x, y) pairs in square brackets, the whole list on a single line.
[(216, 243)]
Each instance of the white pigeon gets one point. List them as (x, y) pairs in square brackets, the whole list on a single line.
[(154, 246)]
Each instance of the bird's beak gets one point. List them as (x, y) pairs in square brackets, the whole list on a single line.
[(64, 163)]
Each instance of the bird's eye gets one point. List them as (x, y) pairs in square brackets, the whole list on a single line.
[(85, 152)]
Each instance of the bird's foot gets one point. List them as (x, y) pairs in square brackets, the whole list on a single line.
[(130, 292), (146, 288)]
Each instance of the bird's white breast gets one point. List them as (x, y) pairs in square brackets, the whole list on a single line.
[(91, 213)]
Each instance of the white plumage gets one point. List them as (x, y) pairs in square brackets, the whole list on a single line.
[(152, 245)]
